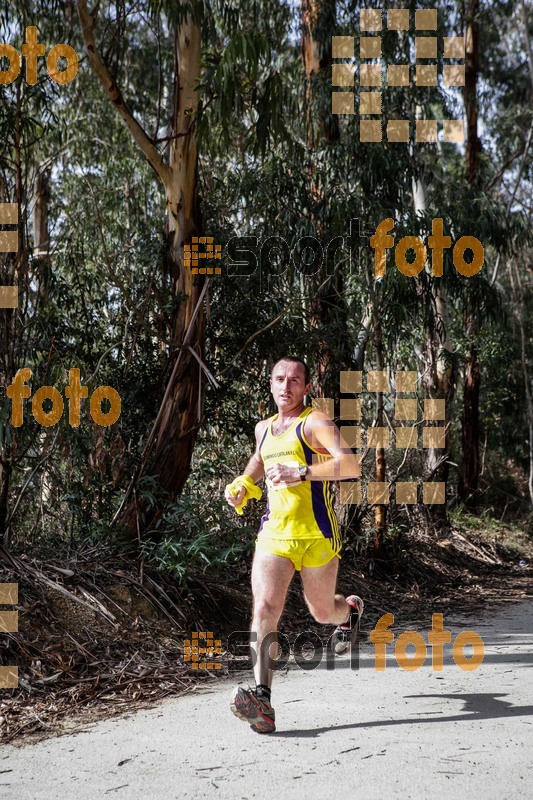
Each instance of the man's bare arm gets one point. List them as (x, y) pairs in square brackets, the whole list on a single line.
[(255, 468), (322, 433)]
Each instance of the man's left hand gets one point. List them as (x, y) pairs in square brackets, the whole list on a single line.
[(282, 473)]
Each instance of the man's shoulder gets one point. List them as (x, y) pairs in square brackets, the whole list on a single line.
[(316, 416), (314, 422), (262, 425)]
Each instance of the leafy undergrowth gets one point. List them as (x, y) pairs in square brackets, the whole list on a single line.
[(99, 635)]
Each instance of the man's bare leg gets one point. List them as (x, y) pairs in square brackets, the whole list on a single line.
[(327, 607), (319, 591), (271, 576)]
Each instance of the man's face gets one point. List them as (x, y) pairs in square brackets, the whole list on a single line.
[(287, 385)]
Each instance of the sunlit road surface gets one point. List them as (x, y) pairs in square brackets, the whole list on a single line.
[(340, 733)]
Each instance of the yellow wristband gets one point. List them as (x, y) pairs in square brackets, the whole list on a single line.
[(251, 490)]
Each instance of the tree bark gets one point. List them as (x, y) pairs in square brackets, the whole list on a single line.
[(41, 233), (327, 305), (174, 432), (439, 379), (318, 25), (380, 510), (469, 478), (468, 486), (473, 142)]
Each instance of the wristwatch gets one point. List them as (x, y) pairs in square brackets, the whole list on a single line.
[(302, 471)]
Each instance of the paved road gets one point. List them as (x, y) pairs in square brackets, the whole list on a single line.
[(344, 733)]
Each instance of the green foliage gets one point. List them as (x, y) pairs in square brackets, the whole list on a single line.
[(196, 538), (103, 301)]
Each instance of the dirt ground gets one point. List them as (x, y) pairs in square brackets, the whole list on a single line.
[(96, 641)]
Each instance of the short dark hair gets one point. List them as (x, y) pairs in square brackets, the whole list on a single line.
[(295, 360)]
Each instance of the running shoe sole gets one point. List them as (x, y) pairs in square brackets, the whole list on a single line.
[(339, 645), (247, 707)]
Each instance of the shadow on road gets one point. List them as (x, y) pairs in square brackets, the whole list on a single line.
[(476, 707)]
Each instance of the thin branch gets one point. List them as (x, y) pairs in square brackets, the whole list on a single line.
[(209, 376), (251, 338), (511, 201), (88, 24), (28, 479), (507, 163)]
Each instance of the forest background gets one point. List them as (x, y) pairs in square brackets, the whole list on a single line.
[(214, 119)]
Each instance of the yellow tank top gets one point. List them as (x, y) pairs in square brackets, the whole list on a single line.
[(300, 510)]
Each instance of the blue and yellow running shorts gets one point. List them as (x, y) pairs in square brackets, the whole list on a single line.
[(302, 552)]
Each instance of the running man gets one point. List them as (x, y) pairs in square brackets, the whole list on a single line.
[(299, 451)]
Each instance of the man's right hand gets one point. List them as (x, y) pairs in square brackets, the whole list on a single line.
[(237, 497)]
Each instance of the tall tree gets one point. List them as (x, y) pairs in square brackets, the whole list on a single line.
[(174, 431), (327, 308), (469, 477)]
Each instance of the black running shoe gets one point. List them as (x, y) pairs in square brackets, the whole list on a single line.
[(246, 705), (344, 637)]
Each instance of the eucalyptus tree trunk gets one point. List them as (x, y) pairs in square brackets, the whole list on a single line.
[(439, 378), (380, 510), (170, 444), (41, 232), (469, 478), (15, 272), (327, 303)]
